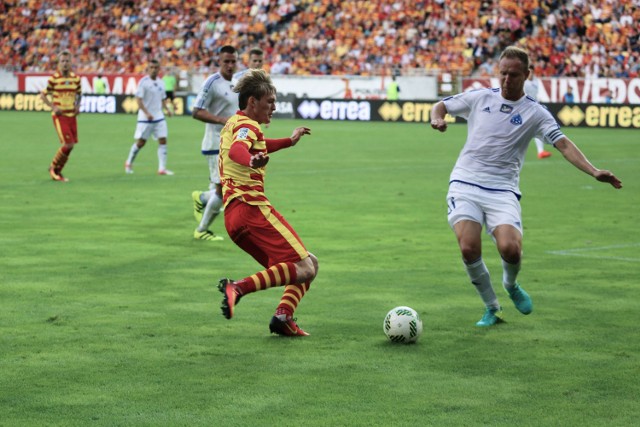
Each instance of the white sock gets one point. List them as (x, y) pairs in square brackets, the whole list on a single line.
[(206, 196), (510, 274), (480, 278), (133, 153), (539, 145), (211, 211), (162, 157)]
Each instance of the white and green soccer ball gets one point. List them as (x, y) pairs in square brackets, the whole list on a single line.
[(402, 325)]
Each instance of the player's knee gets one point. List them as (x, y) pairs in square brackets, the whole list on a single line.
[(470, 252), (510, 251), (314, 261), (306, 269)]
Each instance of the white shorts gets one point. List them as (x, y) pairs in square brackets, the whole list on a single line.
[(214, 173), (486, 207), (157, 130)]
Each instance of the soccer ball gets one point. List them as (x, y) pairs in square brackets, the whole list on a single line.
[(403, 325)]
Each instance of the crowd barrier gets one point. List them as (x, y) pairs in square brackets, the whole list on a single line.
[(359, 110)]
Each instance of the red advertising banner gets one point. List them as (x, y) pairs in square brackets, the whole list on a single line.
[(117, 84), (586, 91)]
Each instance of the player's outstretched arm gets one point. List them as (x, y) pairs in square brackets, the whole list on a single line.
[(274, 145), (437, 117), (573, 154), (298, 133)]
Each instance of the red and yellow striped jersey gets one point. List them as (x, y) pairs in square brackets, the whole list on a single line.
[(64, 90), (239, 181)]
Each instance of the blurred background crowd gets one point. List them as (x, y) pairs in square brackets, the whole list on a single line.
[(577, 38)]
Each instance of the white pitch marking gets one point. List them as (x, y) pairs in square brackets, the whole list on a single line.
[(579, 252)]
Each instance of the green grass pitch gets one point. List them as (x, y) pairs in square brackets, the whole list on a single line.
[(109, 315)]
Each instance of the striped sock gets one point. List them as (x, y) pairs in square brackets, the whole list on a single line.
[(291, 298), (60, 159), (281, 274)]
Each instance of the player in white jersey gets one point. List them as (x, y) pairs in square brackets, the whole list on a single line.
[(256, 62), (531, 89), (484, 184), (151, 98), (215, 103)]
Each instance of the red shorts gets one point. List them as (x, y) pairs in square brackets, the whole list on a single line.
[(263, 233), (67, 129)]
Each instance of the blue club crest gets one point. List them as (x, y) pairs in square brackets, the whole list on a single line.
[(516, 120)]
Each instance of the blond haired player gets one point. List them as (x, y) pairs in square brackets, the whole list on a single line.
[(484, 184), (251, 221)]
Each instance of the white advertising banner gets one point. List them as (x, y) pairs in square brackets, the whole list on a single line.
[(623, 91), (347, 87)]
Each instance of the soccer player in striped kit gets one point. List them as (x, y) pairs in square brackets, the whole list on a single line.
[(250, 219), (64, 88)]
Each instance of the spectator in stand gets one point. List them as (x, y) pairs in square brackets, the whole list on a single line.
[(327, 37), (568, 97)]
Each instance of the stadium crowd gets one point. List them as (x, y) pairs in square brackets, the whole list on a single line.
[(578, 38)]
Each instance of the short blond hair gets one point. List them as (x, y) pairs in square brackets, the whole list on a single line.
[(256, 83), (514, 52)]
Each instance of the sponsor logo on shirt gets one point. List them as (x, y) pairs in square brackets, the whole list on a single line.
[(486, 110), (507, 109), (242, 134)]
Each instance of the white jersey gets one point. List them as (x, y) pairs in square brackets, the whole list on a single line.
[(152, 94), (498, 134), (531, 88), (238, 75), (217, 97)]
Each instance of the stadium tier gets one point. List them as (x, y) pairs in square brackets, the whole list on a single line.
[(579, 38)]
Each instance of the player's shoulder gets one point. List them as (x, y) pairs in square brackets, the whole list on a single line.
[(237, 75), (242, 121), (475, 92), (212, 81), (213, 78), (531, 102)]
